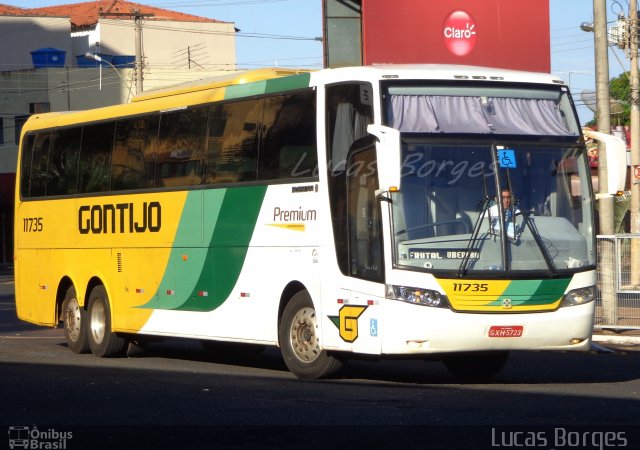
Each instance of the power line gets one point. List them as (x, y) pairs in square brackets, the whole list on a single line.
[(209, 3), (151, 25)]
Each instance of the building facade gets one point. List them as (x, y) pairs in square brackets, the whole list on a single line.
[(43, 67)]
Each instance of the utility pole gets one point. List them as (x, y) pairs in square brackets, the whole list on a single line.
[(139, 65), (605, 202), (634, 176), (137, 17)]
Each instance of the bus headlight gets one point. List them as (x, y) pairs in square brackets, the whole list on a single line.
[(426, 297), (579, 296)]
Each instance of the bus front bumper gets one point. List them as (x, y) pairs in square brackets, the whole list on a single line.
[(411, 329)]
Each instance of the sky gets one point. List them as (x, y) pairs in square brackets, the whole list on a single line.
[(282, 33)]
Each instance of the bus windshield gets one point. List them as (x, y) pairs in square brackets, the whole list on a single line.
[(466, 208)]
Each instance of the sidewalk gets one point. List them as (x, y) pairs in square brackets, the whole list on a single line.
[(630, 339)]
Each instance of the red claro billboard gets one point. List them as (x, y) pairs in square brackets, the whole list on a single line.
[(509, 34)]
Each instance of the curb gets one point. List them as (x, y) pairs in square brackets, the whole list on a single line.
[(616, 340)]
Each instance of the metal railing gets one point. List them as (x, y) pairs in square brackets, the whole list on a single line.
[(623, 313)]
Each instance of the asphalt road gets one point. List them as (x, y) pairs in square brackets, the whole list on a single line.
[(174, 394)]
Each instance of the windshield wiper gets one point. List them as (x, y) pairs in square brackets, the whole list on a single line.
[(462, 270), (538, 239)]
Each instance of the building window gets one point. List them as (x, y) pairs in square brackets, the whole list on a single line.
[(18, 123), (38, 108)]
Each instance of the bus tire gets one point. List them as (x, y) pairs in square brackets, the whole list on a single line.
[(74, 318), (299, 343), (103, 342), (476, 366)]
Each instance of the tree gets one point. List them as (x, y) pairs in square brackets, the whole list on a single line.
[(620, 89)]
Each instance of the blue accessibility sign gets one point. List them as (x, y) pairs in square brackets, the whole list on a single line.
[(507, 158)]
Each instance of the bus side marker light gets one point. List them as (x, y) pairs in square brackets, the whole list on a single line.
[(171, 292), (342, 301), (44, 287), (372, 302), (203, 293), (185, 257), (576, 341), (139, 291)]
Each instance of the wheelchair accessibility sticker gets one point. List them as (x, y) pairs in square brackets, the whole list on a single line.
[(373, 327), (507, 158)]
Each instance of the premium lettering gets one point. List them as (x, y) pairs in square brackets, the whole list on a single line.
[(297, 215), (120, 218)]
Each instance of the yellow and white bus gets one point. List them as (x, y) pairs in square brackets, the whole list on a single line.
[(336, 213)]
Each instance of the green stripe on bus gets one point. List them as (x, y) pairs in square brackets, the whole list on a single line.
[(288, 83), (181, 276), (205, 280), (228, 248), (544, 292), (267, 86)]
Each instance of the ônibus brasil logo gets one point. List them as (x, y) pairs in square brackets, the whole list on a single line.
[(460, 34)]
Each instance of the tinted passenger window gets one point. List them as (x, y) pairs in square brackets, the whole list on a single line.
[(95, 157), (182, 147), (39, 163), (232, 153), (133, 163), (62, 173), (288, 142), (25, 168)]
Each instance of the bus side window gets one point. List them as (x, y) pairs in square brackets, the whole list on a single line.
[(62, 174), (25, 168), (232, 148), (288, 139), (95, 157), (349, 111), (39, 163), (181, 147), (133, 161)]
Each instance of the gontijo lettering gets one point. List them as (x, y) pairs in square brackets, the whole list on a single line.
[(120, 218)]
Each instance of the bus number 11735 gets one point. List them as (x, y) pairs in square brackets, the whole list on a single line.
[(472, 287)]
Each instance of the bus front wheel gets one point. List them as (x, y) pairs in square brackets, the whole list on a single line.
[(75, 327), (476, 366), (299, 343), (103, 342)]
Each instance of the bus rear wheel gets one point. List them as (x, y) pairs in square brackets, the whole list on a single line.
[(476, 366), (299, 343), (103, 342), (74, 319)]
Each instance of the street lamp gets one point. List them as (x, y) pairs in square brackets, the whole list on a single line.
[(95, 57), (587, 26)]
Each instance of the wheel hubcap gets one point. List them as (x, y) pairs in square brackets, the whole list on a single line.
[(303, 338), (72, 320), (98, 320)]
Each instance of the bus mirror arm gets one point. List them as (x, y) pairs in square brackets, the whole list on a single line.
[(382, 195), (388, 155)]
